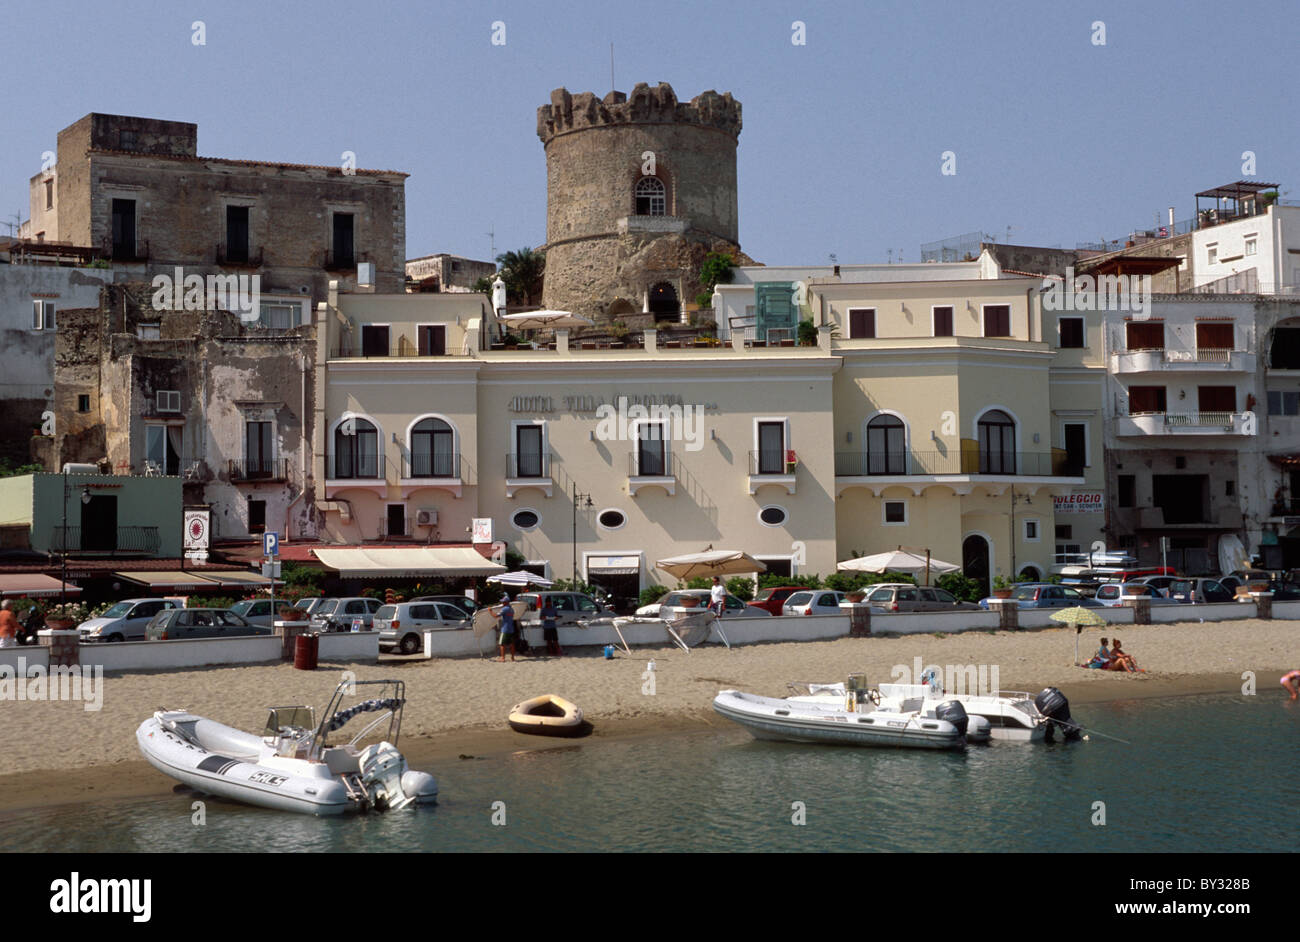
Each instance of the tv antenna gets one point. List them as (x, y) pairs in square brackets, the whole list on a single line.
[(492, 242)]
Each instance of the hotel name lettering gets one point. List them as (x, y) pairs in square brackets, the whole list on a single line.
[(589, 404)]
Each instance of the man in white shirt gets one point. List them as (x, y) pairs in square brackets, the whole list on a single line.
[(717, 596)]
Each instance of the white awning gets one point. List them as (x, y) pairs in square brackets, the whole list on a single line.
[(237, 578), (173, 580), (34, 585), (401, 562), (614, 565)]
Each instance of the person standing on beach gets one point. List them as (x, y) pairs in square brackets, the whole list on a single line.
[(717, 596), (507, 615), (8, 625), (1291, 682), (549, 630)]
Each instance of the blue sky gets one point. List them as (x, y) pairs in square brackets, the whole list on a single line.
[(1061, 139)]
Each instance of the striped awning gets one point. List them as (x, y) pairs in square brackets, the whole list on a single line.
[(413, 562), (33, 585), (175, 581)]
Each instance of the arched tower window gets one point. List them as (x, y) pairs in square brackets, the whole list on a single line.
[(433, 450), (356, 450), (651, 198)]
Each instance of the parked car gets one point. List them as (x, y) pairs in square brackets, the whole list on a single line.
[(1046, 595), (464, 602), (1190, 591), (814, 602), (308, 605), (338, 614), (1115, 594), (772, 599), (570, 607), (264, 612), (905, 597), (731, 608), (127, 620), (181, 623), (402, 624), (1159, 582)]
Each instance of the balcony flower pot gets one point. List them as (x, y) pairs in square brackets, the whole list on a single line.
[(59, 624), (690, 601), (856, 596), (1002, 593)]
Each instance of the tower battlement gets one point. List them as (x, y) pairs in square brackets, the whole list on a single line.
[(646, 105)]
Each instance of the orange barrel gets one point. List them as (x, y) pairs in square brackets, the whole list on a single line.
[(305, 652)]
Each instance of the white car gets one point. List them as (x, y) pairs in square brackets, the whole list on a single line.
[(1115, 594), (127, 620), (402, 625), (732, 608), (814, 602)]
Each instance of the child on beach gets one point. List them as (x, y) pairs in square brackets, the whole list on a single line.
[(1100, 660), (1291, 682), (507, 615)]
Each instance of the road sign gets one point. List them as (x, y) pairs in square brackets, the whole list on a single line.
[(270, 544)]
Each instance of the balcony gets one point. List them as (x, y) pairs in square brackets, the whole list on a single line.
[(650, 468), (342, 261), (109, 541), (960, 469), (440, 469), (1185, 423), (404, 347), (127, 254), (258, 470), (528, 469), (237, 258), (775, 466), (1211, 360)]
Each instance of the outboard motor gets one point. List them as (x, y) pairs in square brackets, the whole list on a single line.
[(1053, 705), (954, 713)]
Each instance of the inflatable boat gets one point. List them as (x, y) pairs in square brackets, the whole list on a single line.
[(548, 715), (295, 765)]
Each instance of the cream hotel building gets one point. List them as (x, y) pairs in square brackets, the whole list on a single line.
[(940, 408)]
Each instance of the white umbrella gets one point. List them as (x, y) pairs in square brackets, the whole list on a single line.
[(542, 320), (711, 563), (897, 561), (519, 578)]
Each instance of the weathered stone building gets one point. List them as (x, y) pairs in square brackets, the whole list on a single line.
[(639, 190), (136, 191), (225, 406), (443, 272)]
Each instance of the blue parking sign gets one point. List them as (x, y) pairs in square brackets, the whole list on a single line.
[(270, 544)]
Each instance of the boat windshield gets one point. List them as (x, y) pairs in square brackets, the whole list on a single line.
[(301, 717)]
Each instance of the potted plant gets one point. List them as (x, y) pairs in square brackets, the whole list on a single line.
[(1001, 588), (65, 616), (856, 595), (690, 601)]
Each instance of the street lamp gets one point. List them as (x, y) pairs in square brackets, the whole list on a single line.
[(576, 498)]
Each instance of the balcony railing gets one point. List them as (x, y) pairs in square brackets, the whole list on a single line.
[(1173, 423), (351, 466), (529, 465), (650, 463), (402, 348), (439, 464), (1215, 419), (259, 469), (237, 259), (918, 463), (138, 541), (773, 461)]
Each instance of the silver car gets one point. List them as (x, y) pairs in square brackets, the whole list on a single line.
[(403, 624), (340, 614), (1116, 594)]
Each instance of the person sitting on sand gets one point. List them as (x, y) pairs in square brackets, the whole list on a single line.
[(1122, 661), (1101, 660), (1291, 682)]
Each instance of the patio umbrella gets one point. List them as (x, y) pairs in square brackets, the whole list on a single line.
[(898, 561), (1078, 616), (711, 563), (544, 320), (519, 579)]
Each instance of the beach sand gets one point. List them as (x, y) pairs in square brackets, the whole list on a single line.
[(58, 752)]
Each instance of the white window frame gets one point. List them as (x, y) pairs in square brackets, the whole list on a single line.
[(1071, 317), (1038, 529), (772, 526), (884, 515), (875, 323), (984, 319), (519, 510), (934, 326), (296, 319), (634, 430), (1250, 244), (786, 445), (617, 510), (42, 314), (1212, 254), (162, 396), (513, 442), (149, 331)]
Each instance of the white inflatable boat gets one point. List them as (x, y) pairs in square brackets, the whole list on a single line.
[(293, 765)]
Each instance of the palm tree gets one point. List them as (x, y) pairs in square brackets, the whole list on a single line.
[(523, 272)]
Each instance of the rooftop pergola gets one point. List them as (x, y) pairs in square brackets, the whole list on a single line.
[(1238, 192)]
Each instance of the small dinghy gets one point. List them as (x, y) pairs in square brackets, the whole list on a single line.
[(548, 715), (293, 765)]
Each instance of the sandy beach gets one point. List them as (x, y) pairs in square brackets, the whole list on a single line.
[(56, 752)]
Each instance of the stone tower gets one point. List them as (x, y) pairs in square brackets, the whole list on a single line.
[(639, 189)]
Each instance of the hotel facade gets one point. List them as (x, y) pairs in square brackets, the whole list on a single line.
[(930, 414)]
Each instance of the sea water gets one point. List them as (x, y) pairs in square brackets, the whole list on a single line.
[(1197, 773)]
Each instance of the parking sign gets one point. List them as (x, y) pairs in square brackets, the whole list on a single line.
[(270, 544)]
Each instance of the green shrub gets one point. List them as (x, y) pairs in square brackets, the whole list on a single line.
[(210, 601), (652, 593), (742, 587), (964, 588), (768, 579)]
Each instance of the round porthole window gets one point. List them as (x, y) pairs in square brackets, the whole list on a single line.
[(525, 519), (772, 516), (612, 519)]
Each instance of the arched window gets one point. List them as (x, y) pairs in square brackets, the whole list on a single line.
[(886, 445), (433, 450), (356, 449), (651, 198), (997, 443)]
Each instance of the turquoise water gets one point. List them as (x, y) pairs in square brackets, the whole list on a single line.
[(1198, 774)]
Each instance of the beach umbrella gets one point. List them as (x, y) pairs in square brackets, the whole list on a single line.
[(1078, 616), (898, 560), (544, 320), (711, 563), (519, 579)]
